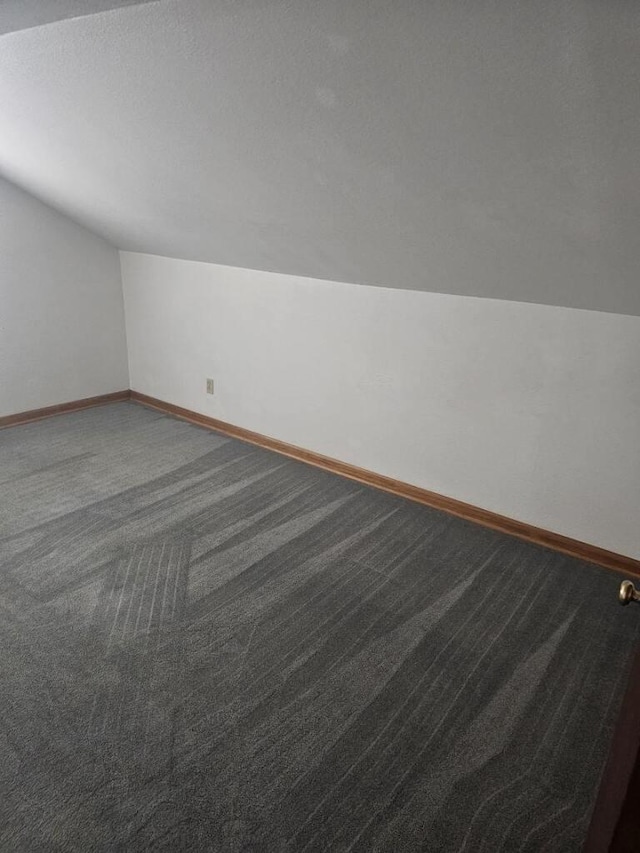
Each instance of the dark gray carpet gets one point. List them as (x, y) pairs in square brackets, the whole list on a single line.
[(206, 646)]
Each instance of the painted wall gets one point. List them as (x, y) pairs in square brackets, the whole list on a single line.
[(527, 410), (62, 334)]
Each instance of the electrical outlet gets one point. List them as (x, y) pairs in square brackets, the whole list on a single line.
[(209, 386)]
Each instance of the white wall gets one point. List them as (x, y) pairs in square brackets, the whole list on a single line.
[(526, 410), (62, 334)]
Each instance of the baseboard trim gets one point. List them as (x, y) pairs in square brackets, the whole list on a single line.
[(501, 523), (469, 512), (62, 408)]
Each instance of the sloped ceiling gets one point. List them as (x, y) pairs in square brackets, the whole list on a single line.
[(478, 147), (22, 14)]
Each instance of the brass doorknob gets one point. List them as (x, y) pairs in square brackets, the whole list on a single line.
[(628, 593)]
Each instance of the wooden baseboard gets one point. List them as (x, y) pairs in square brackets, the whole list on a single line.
[(501, 523), (61, 408), (546, 538)]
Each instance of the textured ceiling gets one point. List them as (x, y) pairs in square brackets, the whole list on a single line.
[(480, 147), (23, 14)]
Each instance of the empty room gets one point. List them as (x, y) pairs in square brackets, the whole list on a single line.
[(320, 426)]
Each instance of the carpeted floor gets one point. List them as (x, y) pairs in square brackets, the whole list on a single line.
[(206, 646)]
